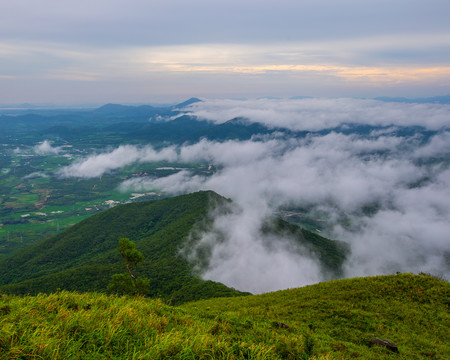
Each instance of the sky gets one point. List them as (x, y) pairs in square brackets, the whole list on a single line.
[(165, 51)]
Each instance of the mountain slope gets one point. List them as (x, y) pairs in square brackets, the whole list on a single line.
[(83, 258), (330, 320), (174, 131), (236, 129)]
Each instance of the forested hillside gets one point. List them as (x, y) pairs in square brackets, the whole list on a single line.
[(83, 258)]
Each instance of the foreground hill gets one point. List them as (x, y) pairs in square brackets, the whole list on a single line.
[(331, 320), (84, 257)]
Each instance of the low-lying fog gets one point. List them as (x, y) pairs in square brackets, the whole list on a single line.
[(404, 179)]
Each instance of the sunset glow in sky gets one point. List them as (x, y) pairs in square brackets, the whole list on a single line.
[(166, 51)]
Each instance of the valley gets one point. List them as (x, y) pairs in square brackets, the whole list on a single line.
[(36, 201), (224, 180), (165, 230), (342, 181)]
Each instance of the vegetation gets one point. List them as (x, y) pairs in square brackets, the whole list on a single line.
[(128, 283), (331, 320), (73, 264), (29, 186), (84, 257), (331, 254)]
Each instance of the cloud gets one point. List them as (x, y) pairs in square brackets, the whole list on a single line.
[(338, 175), (241, 255), (387, 195), (45, 148), (229, 152), (319, 114), (200, 21), (438, 146), (333, 169), (36, 174), (87, 72), (97, 165), (181, 182)]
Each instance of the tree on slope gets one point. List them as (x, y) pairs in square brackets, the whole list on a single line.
[(129, 283)]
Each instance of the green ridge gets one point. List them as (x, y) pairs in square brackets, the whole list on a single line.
[(84, 257)]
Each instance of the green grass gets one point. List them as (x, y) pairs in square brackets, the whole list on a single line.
[(331, 320)]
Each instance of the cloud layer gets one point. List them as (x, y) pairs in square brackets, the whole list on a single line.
[(386, 195), (318, 114)]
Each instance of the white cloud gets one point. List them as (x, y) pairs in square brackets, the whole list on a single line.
[(45, 148), (439, 145), (335, 174), (318, 114), (97, 165), (111, 51), (180, 182), (242, 256)]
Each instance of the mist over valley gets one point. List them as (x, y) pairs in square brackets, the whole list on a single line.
[(371, 174)]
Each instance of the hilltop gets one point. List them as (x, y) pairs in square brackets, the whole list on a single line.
[(330, 320), (84, 257)]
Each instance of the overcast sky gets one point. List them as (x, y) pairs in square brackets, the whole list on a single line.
[(101, 51)]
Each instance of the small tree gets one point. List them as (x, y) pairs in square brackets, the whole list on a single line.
[(128, 283)]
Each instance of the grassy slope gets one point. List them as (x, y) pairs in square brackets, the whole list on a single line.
[(343, 315), (331, 320)]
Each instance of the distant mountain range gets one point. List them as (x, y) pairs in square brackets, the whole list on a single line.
[(158, 125)]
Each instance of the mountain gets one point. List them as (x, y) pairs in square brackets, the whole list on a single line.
[(83, 257), (332, 320), (126, 112), (236, 129), (113, 109), (113, 123), (190, 101), (188, 129)]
